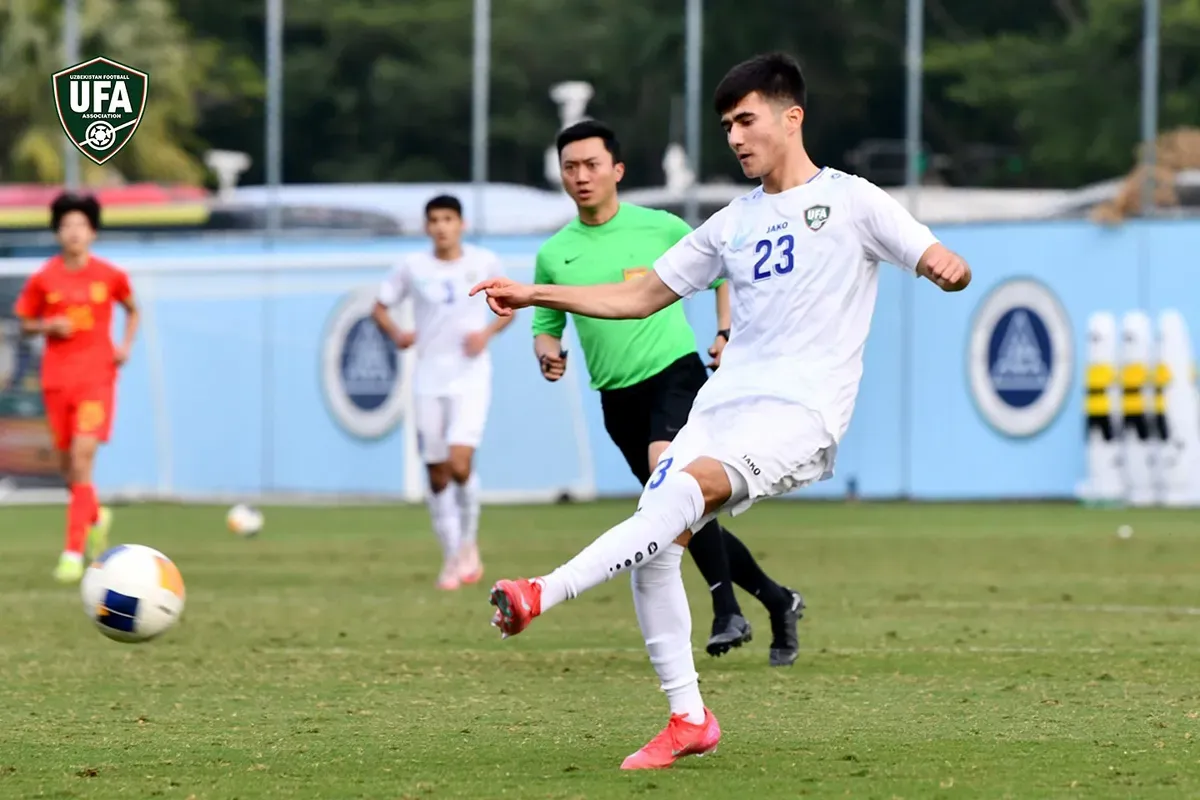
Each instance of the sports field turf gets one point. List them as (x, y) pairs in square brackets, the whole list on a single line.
[(1015, 651)]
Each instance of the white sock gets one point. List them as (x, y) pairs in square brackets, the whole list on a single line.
[(664, 512), (443, 512), (666, 622), (467, 495)]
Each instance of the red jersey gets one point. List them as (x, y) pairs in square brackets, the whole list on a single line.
[(85, 296)]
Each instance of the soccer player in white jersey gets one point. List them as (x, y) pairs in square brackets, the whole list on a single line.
[(802, 254), (453, 376)]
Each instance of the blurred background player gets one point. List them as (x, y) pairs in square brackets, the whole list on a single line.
[(647, 371), (453, 376), (70, 302)]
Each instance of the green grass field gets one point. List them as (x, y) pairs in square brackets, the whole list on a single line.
[(1015, 651)]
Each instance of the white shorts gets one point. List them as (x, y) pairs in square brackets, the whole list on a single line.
[(768, 447), (445, 420)]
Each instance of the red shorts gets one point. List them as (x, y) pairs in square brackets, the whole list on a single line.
[(79, 411)]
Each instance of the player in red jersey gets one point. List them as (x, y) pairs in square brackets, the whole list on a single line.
[(70, 302)]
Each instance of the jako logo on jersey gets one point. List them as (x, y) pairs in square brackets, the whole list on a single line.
[(100, 104), (361, 372), (1020, 357), (816, 217), (753, 467), (778, 226)]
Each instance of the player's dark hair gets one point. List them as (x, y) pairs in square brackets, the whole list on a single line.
[(67, 202), (776, 76), (445, 202), (590, 129)]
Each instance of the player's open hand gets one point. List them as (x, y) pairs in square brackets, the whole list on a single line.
[(945, 268), (504, 296), (475, 343), (404, 340), (59, 327)]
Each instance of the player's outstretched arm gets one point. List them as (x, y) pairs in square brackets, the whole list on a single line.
[(945, 268), (636, 299)]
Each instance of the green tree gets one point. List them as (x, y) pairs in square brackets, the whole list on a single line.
[(145, 34), (380, 91), (383, 92), (1069, 90)]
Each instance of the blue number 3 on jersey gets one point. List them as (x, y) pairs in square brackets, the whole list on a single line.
[(782, 266)]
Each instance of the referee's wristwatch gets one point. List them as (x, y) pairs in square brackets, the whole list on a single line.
[(724, 334)]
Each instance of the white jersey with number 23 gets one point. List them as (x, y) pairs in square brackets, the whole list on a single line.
[(803, 271)]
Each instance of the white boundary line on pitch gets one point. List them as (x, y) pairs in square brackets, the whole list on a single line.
[(1079, 608)]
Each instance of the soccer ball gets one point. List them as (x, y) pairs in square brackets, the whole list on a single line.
[(244, 520), (133, 593)]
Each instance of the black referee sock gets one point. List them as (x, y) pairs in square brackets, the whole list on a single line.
[(749, 575), (708, 551)]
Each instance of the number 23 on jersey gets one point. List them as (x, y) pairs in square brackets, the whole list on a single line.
[(774, 257)]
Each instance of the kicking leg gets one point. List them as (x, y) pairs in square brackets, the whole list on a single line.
[(649, 544), (672, 502)]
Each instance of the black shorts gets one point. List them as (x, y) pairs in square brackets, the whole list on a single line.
[(652, 411)]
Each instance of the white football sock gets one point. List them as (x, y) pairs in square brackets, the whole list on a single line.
[(666, 622), (664, 512), (467, 495), (443, 511)]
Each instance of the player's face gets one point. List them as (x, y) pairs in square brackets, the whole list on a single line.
[(588, 172), (444, 227), (75, 233), (757, 131)]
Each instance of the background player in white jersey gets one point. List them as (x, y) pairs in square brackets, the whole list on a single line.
[(452, 383), (801, 253)]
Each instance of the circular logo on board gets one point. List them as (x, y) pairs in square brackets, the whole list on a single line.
[(1020, 359), (361, 370)]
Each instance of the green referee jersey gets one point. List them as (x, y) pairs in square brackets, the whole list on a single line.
[(619, 352)]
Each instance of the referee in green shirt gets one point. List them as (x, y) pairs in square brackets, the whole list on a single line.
[(647, 371)]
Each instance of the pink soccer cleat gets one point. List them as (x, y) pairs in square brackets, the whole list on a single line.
[(517, 603), (680, 738)]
